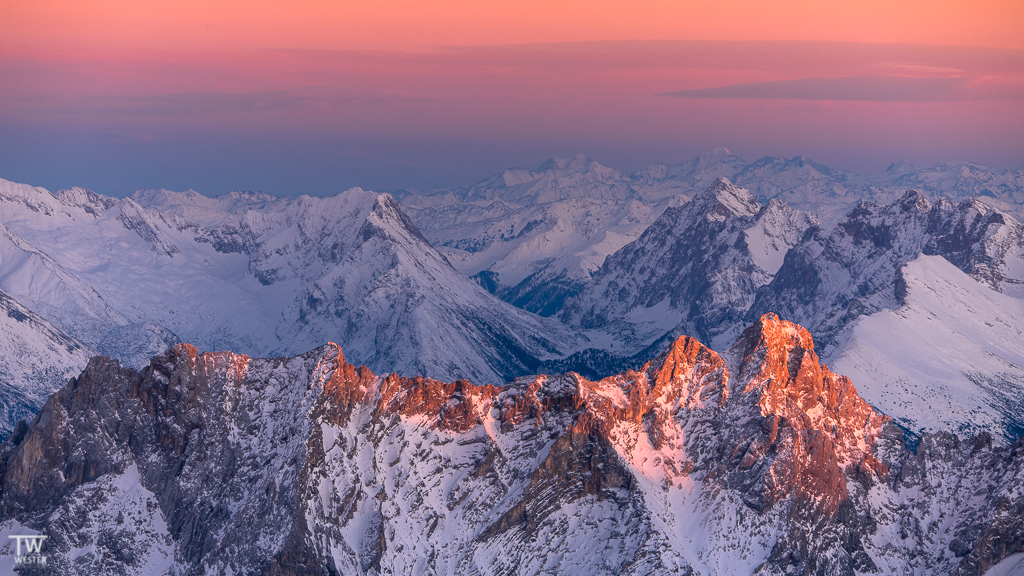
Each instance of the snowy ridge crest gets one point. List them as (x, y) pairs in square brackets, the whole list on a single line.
[(262, 276), (311, 464)]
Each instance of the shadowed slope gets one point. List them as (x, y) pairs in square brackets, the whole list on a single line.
[(762, 461)]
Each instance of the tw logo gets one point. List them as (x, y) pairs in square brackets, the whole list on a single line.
[(33, 549)]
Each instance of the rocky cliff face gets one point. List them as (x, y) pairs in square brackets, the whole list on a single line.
[(534, 237), (831, 278), (712, 266), (259, 275), (759, 461), (695, 270)]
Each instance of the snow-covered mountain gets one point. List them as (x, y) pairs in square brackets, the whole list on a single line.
[(261, 275), (831, 278), (628, 259), (802, 183), (949, 358), (759, 461), (755, 460), (695, 270), (710, 266), (811, 186), (38, 359), (922, 303), (534, 237), (695, 175), (1004, 189)]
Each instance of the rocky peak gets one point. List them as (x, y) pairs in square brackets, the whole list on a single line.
[(723, 199), (707, 258), (149, 227), (453, 406), (810, 425), (687, 378), (688, 374), (914, 201), (86, 199), (311, 465), (777, 361), (387, 213), (899, 228), (812, 430)]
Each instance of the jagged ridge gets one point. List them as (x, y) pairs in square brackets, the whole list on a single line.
[(310, 465)]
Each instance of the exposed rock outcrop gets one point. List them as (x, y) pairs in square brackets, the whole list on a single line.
[(759, 461)]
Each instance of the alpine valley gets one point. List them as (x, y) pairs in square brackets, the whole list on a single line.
[(717, 367)]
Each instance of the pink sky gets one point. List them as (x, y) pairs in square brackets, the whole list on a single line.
[(415, 24), (322, 96)]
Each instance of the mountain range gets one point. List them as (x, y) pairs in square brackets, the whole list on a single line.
[(692, 322), (536, 236), (756, 461), (616, 267), (130, 277)]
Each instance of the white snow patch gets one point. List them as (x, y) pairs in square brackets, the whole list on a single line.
[(1012, 565), (950, 358)]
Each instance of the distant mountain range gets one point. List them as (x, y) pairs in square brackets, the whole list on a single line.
[(571, 265), (534, 237), (689, 423), (819, 246)]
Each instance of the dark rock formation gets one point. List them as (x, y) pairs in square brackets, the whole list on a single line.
[(762, 461)]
